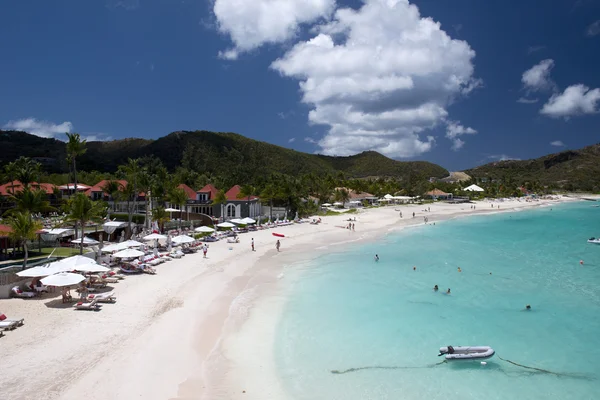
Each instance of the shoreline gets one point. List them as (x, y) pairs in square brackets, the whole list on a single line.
[(180, 334)]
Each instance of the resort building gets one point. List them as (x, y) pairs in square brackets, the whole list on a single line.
[(437, 194)]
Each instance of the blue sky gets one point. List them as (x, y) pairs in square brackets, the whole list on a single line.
[(501, 79)]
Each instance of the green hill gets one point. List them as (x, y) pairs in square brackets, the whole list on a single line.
[(212, 152), (570, 170)]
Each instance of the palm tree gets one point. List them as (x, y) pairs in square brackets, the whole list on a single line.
[(30, 201), (342, 196), (23, 228), (26, 170), (221, 199), (269, 194), (82, 210), (178, 197), (246, 191), (160, 216), (144, 185), (113, 188), (132, 169), (75, 148)]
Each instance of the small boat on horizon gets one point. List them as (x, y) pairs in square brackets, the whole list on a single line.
[(594, 240), (467, 352)]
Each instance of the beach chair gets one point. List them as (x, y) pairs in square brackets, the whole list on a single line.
[(8, 325), (93, 305), (16, 292), (103, 297)]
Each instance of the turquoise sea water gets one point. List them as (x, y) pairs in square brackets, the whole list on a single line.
[(346, 311)]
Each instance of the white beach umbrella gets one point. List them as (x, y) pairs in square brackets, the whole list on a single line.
[(128, 253), (237, 221), (248, 220), (226, 225), (114, 247), (183, 239), (92, 268), (337, 203), (154, 236), (132, 243), (171, 210), (42, 270), (86, 241), (326, 204), (204, 229), (71, 263), (62, 279)]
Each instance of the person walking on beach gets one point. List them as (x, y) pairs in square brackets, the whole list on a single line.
[(278, 245), (413, 214), (400, 214), (205, 249), (253, 244)]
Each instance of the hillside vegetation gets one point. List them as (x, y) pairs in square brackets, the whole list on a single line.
[(213, 153), (569, 170)]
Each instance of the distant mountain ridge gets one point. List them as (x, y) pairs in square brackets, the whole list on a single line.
[(570, 169), (206, 151)]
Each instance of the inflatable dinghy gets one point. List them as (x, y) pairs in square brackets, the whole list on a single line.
[(594, 240), (278, 234), (467, 352)]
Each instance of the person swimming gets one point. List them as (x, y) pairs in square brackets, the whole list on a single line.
[(528, 307), (376, 257), (448, 291), (436, 288), (459, 270)]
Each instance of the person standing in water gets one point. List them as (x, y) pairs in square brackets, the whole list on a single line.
[(278, 245), (376, 257)]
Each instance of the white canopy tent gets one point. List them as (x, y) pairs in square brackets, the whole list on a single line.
[(53, 234), (71, 263), (111, 226), (474, 188), (86, 241)]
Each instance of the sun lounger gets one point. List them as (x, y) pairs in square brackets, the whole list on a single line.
[(8, 325), (93, 305), (103, 297), (16, 292)]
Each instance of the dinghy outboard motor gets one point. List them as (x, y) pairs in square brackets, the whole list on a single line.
[(449, 350)]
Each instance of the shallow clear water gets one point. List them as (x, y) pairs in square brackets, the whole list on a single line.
[(346, 311)]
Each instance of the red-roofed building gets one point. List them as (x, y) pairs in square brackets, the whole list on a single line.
[(240, 208), (15, 186)]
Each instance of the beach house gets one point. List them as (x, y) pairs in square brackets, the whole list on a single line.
[(233, 207), (437, 194)]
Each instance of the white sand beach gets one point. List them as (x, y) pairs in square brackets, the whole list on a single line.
[(199, 329)]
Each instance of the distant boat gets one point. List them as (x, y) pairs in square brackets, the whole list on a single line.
[(467, 352), (594, 240), (596, 205)]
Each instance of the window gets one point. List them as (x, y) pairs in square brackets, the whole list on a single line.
[(230, 210)]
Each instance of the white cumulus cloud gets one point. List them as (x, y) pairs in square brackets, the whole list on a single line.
[(557, 143), (250, 24), (51, 130), (525, 100), (379, 77), (40, 128), (538, 77), (453, 132), (575, 100), (292, 140)]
